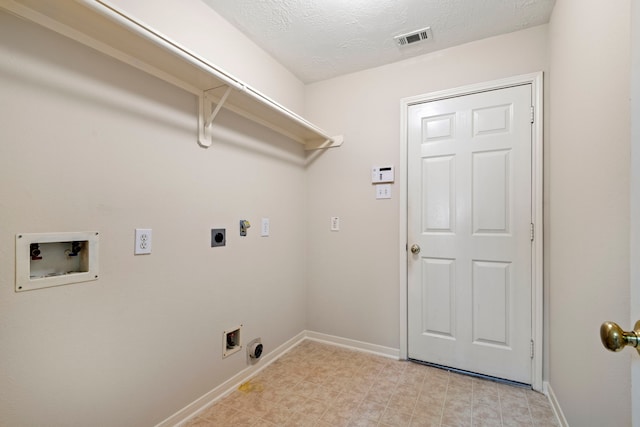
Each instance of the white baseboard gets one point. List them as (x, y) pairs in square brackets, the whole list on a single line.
[(227, 387), (378, 350), (230, 385), (555, 405)]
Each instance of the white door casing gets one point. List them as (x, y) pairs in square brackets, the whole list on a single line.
[(479, 276), (634, 283)]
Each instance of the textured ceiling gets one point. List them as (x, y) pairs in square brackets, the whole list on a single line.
[(320, 39)]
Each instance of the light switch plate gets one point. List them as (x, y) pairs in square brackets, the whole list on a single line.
[(383, 191), (335, 223), (265, 228), (143, 241)]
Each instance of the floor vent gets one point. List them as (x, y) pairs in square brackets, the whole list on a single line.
[(414, 37)]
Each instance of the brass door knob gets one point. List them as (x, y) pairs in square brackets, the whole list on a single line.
[(615, 339), (415, 249)]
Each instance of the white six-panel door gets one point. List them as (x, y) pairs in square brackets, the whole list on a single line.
[(469, 211)]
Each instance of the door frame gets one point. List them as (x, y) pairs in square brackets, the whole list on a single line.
[(634, 283), (537, 302)]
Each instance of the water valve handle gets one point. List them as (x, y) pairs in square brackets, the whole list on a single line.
[(244, 224)]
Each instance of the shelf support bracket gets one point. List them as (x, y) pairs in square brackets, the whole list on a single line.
[(206, 116), (215, 112), (334, 142)]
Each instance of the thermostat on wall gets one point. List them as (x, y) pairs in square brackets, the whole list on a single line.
[(380, 174)]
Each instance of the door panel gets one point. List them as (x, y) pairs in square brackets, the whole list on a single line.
[(438, 296), (490, 182), (469, 209), (491, 282), (438, 175)]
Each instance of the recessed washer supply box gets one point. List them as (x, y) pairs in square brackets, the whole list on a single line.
[(44, 260)]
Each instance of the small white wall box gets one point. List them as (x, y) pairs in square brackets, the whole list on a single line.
[(380, 174), (44, 260), (231, 341)]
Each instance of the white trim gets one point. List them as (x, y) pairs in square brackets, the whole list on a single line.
[(537, 251), (403, 241), (634, 283), (536, 80), (555, 405), (227, 387), (474, 88), (104, 27), (194, 408), (378, 350)]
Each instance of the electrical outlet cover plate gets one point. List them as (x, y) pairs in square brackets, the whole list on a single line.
[(143, 241), (218, 237)]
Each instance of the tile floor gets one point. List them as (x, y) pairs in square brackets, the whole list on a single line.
[(316, 384)]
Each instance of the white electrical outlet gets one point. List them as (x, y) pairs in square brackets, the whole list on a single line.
[(335, 223), (264, 230), (143, 241)]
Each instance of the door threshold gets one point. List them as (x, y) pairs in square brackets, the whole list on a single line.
[(472, 374)]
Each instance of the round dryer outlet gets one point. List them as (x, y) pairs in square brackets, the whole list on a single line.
[(254, 350)]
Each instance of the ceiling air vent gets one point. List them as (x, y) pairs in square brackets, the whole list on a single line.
[(414, 37)]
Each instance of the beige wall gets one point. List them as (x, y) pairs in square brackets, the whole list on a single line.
[(79, 126), (589, 201), (91, 144), (193, 24), (354, 274)]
